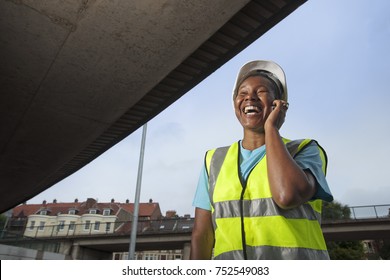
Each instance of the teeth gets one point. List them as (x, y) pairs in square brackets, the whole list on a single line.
[(251, 109)]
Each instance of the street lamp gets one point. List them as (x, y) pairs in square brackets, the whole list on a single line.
[(134, 226)]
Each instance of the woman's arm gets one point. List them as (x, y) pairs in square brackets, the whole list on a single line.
[(290, 185), (202, 240)]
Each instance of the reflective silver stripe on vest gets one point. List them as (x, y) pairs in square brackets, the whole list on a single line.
[(263, 207), (215, 167), (275, 253)]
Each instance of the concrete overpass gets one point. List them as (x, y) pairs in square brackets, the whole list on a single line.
[(343, 230), (102, 246), (78, 76), (359, 229)]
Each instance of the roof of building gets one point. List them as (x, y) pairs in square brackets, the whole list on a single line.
[(148, 209)]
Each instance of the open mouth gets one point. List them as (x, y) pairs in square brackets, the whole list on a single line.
[(251, 110)]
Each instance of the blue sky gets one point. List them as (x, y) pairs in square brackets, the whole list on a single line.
[(335, 55)]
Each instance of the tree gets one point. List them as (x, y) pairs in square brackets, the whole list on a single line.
[(384, 251), (3, 220), (335, 211), (341, 250), (345, 250)]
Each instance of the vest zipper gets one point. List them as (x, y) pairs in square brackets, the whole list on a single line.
[(243, 185)]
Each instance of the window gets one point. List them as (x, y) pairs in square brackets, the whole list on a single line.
[(87, 225), (61, 226), (150, 256), (32, 225), (72, 225), (108, 226), (97, 226), (43, 212), (41, 226), (106, 212), (72, 212), (92, 211)]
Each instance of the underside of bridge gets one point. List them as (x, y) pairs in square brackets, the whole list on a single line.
[(357, 229), (78, 76)]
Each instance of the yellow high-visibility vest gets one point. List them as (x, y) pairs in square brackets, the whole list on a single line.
[(248, 224)]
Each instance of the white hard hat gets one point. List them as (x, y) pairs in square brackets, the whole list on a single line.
[(265, 68)]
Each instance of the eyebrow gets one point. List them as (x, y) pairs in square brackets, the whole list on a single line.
[(267, 88)]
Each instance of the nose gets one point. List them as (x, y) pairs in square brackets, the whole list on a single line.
[(252, 95)]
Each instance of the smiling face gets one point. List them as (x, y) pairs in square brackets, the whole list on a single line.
[(253, 103)]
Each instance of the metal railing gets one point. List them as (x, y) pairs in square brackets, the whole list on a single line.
[(370, 211)]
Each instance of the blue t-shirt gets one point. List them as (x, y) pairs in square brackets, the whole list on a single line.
[(308, 158)]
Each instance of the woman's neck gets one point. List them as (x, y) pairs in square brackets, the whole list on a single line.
[(253, 140)]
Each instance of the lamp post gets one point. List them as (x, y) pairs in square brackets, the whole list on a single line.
[(134, 226)]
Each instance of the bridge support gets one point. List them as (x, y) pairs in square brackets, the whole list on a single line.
[(75, 251), (82, 253), (186, 251)]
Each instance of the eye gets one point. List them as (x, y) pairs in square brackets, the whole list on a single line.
[(242, 93), (262, 92)]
